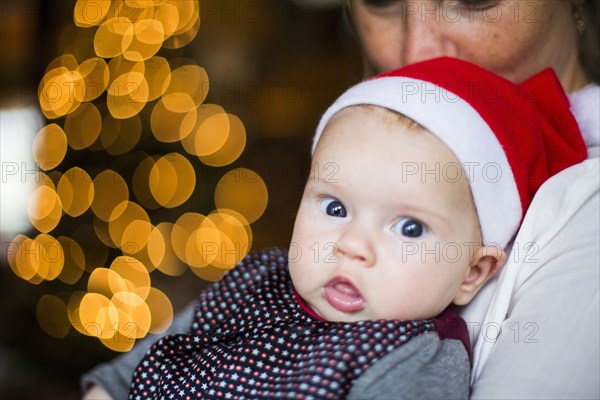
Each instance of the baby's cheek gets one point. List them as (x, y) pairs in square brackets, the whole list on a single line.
[(305, 278), (297, 275)]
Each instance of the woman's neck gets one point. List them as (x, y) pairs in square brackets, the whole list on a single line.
[(573, 76)]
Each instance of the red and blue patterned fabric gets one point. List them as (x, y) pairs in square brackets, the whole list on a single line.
[(251, 338)]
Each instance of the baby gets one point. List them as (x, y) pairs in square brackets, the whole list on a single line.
[(421, 178)]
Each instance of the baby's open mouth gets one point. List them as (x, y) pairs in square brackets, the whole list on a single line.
[(343, 295)]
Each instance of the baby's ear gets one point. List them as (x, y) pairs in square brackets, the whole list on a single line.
[(487, 261)]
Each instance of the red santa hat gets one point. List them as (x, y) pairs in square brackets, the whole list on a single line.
[(509, 138)]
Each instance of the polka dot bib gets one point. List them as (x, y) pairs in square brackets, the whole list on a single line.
[(251, 339)]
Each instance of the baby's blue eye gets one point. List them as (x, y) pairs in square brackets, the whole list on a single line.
[(333, 207), (409, 227)]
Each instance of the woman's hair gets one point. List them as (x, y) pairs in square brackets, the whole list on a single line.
[(589, 41)]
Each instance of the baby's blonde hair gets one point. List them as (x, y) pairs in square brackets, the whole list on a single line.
[(368, 109)]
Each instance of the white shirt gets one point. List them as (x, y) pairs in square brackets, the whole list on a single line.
[(535, 328)]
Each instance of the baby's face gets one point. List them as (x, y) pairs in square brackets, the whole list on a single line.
[(386, 228)]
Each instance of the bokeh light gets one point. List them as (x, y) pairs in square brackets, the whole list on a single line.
[(90, 12), (58, 92), (95, 74), (106, 282), (112, 36), (113, 89), (147, 38), (160, 309), (102, 232), (74, 261), (242, 190), (233, 147), (170, 126), (49, 146), (119, 66), (162, 253), (137, 311), (51, 256), (98, 316), (141, 183), (118, 136), (172, 180), (83, 126), (36, 260), (127, 95), (185, 35), (181, 232), (67, 61), (73, 306), (129, 227), (76, 191), (203, 245), (191, 80), (110, 190), (158, 76), (51, 313), (44, 208), (135, 274)]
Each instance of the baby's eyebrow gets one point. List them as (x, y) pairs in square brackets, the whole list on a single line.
[(324, 171), (319, 179)]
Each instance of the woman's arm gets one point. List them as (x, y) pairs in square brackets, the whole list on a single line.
[(111, 380)]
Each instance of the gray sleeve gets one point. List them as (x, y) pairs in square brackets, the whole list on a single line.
[(424, 368), (115, 376)]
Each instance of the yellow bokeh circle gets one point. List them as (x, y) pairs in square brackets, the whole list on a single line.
[(59, 92), (189, 79), (90, 12), (49, 146), (95, 74), (44, 208), (110, 190), (170, 126), (127, 95), (231, 149), (74, 262), (98, 316), (158, 75), (83, 126), (129, 227), (76, 191), (112, 36), (161, 252), (172, 180), (147, 38), (244, 191), (134, 272)]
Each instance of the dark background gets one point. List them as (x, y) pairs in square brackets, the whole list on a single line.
[(275, 64)]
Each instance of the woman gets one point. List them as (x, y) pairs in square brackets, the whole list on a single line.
[(552, 279), (545, 303)]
